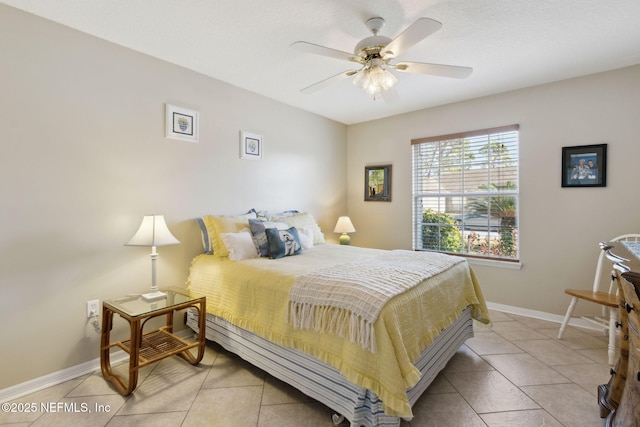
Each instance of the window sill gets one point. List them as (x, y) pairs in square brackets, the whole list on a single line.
[(494, 263)]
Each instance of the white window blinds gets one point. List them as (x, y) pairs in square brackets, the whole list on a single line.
[(465, 193)]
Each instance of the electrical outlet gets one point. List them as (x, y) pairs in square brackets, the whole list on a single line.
[(93, 308)]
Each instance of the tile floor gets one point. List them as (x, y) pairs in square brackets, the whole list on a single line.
[(514, 373)]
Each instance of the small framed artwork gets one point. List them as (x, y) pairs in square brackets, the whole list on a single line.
[(377, 183), (182, 123), (251, 146), (584, 166)]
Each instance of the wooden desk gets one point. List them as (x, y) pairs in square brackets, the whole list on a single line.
[(626, 259), (625, 255)]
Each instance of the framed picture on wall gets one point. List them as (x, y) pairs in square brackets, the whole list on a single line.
[(377, 183), (182, 123), (251, 146), (584, 166)]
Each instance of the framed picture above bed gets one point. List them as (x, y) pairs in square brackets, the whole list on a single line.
[(584, 166), (377, 183), (251, 146), (182, 123)]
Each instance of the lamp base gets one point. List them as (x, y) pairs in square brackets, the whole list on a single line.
[(153, 296), (345, 239)]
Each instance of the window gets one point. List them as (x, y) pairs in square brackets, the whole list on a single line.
[(465, 193)]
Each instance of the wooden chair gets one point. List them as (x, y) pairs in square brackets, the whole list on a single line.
[(602, 295)]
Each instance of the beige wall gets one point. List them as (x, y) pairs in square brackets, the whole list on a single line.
[(84, 157), (560, 227)]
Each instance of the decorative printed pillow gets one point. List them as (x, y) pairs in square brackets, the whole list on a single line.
[(206, 240), (258, 228), (283, 214), (283, 242)]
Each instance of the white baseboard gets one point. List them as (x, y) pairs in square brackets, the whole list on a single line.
[(549, 317), (37, 384), (58, 377)]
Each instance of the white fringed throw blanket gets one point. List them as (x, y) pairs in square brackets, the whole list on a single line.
[(347, 299)]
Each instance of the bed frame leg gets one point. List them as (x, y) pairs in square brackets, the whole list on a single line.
[(337, 419)]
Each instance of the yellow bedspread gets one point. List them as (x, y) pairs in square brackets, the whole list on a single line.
[(254, 295)]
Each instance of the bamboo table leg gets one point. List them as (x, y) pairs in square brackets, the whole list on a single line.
[(134, 356), (105, 362), (123, 387), (201, 336)]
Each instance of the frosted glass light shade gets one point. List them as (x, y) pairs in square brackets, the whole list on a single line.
[(374, 80)]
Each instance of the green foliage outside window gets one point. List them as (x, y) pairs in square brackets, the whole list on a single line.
[(439, 232), (503, 207)]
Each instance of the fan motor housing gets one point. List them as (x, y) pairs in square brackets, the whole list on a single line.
[(371, 46)]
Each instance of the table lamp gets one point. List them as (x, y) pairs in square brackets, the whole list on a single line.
[(153, 232), (344, 226)]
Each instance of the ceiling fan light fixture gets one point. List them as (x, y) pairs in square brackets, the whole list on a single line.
[(376, 55), (374, 80)]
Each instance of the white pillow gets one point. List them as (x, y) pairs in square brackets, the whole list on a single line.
[(240, 245), (306, 237)]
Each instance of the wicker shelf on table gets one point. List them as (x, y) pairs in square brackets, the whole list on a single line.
[(156, 345)]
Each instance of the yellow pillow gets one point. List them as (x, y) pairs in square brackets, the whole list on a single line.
[(216, 225)]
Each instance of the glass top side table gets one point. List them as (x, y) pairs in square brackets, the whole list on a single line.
[(145, 348)]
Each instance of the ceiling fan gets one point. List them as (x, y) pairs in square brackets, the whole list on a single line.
[(376, 53)]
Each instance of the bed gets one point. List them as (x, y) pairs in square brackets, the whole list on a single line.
[(367, 369)]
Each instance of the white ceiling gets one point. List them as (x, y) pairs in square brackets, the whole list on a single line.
[(509, 43)]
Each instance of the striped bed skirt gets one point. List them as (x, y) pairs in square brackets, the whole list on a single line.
[(324, 383)]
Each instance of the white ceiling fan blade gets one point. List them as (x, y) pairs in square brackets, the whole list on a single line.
[(453, 71), (327, 82), (415, 33), (322, 50)]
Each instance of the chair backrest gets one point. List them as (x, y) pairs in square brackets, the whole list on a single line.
[(598, 283)]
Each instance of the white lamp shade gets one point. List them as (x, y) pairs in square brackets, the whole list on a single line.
[(153, 232), (344, 225)]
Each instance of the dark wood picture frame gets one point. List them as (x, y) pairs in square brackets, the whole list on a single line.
[(377, 183), (584, 166)]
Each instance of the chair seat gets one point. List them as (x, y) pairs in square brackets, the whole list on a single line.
[(603, 298), (603, 295)]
